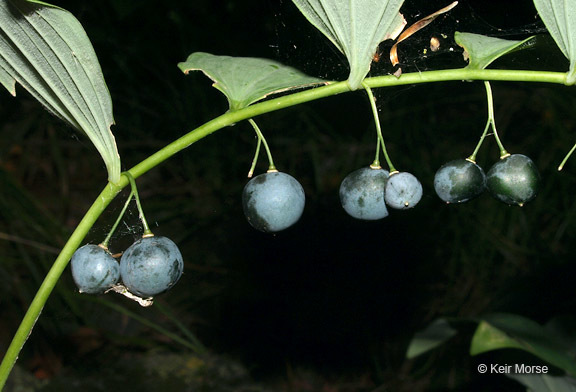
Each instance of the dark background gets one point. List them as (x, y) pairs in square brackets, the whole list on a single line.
[(331, 296)]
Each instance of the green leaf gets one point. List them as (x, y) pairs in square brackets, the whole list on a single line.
[(481, 50), (45, 49), (500, 331), (559, 16), (431, 337), (545, 382), (245, 80), (356, 27)]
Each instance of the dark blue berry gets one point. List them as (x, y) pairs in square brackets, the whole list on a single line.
[(273, 201), (402, 191), (362, 193), (151, 266), (94, 270)]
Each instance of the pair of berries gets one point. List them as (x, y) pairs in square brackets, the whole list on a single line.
[(150, 266), (513, 180), (366, 192)]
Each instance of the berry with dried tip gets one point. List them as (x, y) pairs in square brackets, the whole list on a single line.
[(94, 270), (151, 266), (459, 181), (514, 180), (362, 193), (403, 190), (273, 201)]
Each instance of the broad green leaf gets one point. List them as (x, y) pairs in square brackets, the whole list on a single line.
[(356, 27), (563, 328), (481, 51), (559, 16), (545, 382), (245, 80), (500, 331), (45, 49), (431, 337)]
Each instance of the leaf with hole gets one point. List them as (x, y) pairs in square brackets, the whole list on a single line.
[(356, 28), (481, 50), (245, 80), (559, 16), (45, 49)]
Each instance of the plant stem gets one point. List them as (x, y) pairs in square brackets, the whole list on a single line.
[(113, 229), (492, 121), (253, 167), (472, 158), (147, 232), (271, 167), (379, 132), (33, 312), (376, 163), (566, 158), (111, 190)]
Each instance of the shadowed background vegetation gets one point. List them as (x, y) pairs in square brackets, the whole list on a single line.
[(331, 300)]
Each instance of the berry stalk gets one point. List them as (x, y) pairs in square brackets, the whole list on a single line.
[(492, 121), (261, 138), (104, 243), (376, 163), (147, 231)]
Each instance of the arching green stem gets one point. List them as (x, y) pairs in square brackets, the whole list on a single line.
[(110, 191), (104, 243), (271, 167), (376, 162), (147, 231)]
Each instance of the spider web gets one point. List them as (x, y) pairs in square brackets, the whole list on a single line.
[(299, 44), (129, 229)]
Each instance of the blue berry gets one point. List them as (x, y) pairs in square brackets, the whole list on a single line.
[(514, 180), (362, 194), (402, 191), (151, 266), (459, 181), (94, 270), (273, 201)]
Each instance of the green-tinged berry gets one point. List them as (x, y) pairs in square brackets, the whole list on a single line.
[(459, 181), (514, 180)]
